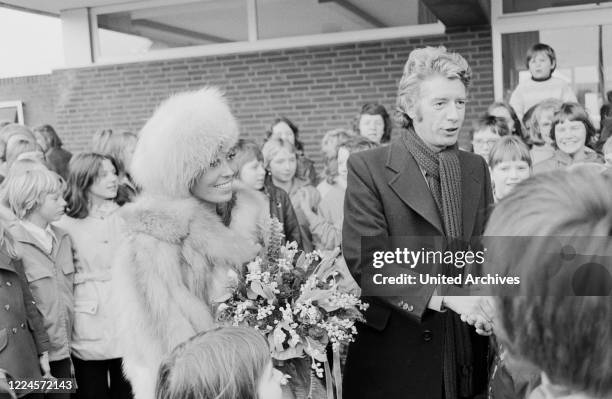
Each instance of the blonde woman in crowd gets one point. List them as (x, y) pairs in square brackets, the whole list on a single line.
[(330, 143), (121, 147), (94, 227), (540, 124), (178, 259), (280, 161)]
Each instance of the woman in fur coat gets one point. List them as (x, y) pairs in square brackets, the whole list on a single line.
[(178, 258)]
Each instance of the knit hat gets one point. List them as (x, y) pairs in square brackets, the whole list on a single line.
[(186, 133)]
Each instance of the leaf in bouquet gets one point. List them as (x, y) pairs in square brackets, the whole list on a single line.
[(301, 262), (261, 290), (315, 349), (318, 296)]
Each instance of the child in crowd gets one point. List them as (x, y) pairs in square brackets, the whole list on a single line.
[(504, 110), (326, 223), (93, 223), (57, 157), (510, 163), (121, 147), (23, 338), (248, 163), (225, 363), (571, 132), (35, 197), (540, 124), (284, 129), (280, 161), (374, 123), (332, 140), (486, 132), (541, 62)]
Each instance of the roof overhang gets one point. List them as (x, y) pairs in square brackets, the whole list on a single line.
[(461, 12)]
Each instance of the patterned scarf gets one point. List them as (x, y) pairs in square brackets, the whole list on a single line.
[(443, 174)]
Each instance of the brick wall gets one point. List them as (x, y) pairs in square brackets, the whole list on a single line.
[(320, 88), (37, 94)]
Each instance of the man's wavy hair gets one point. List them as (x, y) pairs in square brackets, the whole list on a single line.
[(424, 63)]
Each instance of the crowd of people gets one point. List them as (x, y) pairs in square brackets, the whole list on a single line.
[(112, 260)]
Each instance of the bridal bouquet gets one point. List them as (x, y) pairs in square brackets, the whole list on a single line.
[(302, 303)]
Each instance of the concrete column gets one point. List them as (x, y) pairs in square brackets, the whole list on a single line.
[(76, 35)]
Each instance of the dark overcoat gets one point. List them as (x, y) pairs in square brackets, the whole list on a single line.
[(398, 353)]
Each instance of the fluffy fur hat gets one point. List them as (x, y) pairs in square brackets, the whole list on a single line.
[(184, 135)]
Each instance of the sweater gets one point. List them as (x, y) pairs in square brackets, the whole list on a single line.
[(531, 92)]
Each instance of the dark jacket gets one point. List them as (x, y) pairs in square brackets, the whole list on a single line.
[(22, 332), (57, 160), (398, 353), (281, 208)]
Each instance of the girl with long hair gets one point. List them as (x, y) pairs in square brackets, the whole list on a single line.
[(94, 226)]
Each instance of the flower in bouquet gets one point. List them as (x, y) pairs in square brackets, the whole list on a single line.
[(300, 302)]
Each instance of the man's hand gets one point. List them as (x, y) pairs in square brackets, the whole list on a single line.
[(5, 388), (44, 365), (474, 310)]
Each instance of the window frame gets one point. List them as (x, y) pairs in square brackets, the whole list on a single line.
[(549, 18), (253, 44)]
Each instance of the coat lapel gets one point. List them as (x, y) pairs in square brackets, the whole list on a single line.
[(408, 182)]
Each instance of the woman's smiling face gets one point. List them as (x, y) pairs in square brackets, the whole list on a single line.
[(214, 185), (570, 136)]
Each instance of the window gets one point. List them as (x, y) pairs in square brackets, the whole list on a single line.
[(11, 111), (235, 25), (191, 24), (285, 18), (578, 61)]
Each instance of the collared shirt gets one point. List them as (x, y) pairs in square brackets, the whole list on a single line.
[(44, 237)]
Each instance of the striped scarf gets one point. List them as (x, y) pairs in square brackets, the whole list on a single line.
[(443, 174)]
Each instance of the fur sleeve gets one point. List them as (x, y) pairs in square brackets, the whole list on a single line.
[(172, 310)]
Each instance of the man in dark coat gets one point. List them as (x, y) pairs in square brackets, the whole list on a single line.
[(414, 344)]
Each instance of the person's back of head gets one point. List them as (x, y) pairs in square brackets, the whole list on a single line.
[(225, 363), (555, 229), (18, 145), (119, 145), (47, 137), (10, 130)]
